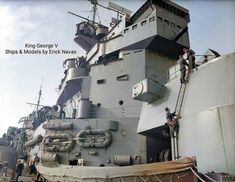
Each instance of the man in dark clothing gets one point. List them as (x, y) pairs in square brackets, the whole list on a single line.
[(182, 62), (1, 167), (169, 116), (32, 169), (204, 59), (19, 169), (62, 113), (191, 58), (4, 168)]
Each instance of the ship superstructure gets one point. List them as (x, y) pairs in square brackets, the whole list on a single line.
[(109, 121), (97, 90)]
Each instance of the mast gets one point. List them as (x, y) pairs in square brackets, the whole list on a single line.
[(39, 97), (94, 2)]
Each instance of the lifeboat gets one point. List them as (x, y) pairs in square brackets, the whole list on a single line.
[(34, 141), (58, 125), (58, 143), (94, 138)]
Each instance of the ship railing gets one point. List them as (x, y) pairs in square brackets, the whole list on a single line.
[(174, 71)]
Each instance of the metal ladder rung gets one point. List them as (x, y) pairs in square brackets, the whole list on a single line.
[(174, 134), (180, 99)]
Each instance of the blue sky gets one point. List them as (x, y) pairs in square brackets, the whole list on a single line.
[(212, 26)]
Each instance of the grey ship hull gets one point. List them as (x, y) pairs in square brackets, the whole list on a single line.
[(207, 124)]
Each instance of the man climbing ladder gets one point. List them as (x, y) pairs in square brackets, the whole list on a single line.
[(174, 128)]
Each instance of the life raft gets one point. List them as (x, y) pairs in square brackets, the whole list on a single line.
[(57, 125), (94, 138), (34, 141), (58, 143)]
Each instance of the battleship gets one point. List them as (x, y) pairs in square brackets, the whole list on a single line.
[(109, 122)]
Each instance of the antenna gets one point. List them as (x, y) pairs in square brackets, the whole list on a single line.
[(83, 18), (30, 103), (95, 3)]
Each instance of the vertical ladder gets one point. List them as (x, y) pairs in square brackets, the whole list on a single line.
[(180, 99), (173, 130)]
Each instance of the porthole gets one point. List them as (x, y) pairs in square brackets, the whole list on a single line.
[(121, 102)]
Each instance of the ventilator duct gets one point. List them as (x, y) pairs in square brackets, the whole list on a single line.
[(84, 110)]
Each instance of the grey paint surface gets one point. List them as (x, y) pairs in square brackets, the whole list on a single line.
[(8, 154), (125, 142), (207, 124)]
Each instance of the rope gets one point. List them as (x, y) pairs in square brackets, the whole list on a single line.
[(149, 178), (205, 175), (209, 178), (203, 55), (197, 175), (157, 178), (135, 179), (181, 176), (171, 178), (142, 178), (121, 179)]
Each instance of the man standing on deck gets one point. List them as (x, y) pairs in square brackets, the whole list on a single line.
[(4, 168), (19, 169), (1, 167), (32, 170), (191, 58), (182, 62), (62, 113)]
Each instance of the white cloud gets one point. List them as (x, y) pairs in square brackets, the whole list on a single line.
[(22, 24)]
